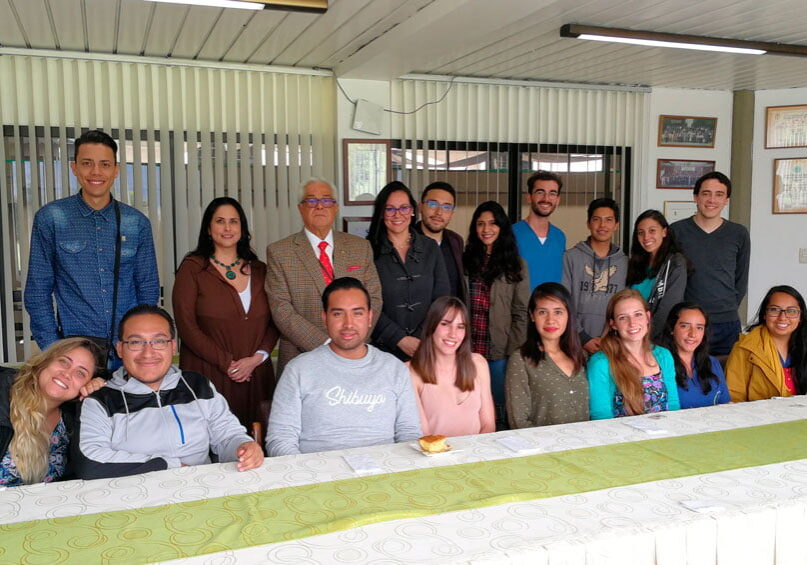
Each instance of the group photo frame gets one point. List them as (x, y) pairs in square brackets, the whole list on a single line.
[(681, 174), (686, 131)]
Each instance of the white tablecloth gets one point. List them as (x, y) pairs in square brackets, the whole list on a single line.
[(761, 514)]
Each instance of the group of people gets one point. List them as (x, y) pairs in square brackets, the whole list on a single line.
[(409, 332)]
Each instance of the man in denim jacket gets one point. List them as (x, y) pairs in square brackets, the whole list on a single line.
[(72, 256)]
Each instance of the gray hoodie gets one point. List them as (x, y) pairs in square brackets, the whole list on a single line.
[(592, 281)]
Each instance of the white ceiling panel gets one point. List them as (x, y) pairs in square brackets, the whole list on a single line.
[(136, 18), (383, 39), (225, 34), (368, 23), (168, 21), (69, 22), (36, 24), (198, 26), (292, 26), (101, 20), (260, 26)]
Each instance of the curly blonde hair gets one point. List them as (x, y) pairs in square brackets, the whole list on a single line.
[(30, 445)]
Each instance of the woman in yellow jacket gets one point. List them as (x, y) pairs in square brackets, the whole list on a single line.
[(771, 359)]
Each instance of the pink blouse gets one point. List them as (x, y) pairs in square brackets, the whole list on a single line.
[(448, 418)]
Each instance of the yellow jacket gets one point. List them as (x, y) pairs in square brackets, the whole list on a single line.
[(754, 370)]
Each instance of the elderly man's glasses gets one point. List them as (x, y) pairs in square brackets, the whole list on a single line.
[(774, 311), (404, 210), (314, 202), (138, 344), (434, 204)]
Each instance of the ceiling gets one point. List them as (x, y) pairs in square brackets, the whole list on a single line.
[(385, 39)]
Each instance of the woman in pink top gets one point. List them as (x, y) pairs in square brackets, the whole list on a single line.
[(452, 384)]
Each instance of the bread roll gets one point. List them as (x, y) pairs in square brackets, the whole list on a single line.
[(433, 444)]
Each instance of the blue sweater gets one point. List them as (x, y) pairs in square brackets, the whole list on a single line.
[(693, 397), (545, 260), (603, 390)]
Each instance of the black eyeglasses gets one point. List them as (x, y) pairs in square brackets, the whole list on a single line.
[(314, 202), (404, 210), (138, 344), (436, 204), (774, 311)]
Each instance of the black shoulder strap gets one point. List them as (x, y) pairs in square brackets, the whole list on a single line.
[(116, 275)]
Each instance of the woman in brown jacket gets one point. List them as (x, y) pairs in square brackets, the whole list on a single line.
[(499, 289), (222, 312)]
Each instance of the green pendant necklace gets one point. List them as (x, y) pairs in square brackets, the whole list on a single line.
[(229, 274)]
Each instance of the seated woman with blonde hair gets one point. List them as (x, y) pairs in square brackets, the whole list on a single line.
[(37, 418), (452, 384), (630, 375)]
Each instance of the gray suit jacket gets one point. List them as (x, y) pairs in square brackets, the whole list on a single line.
[(294, 284)]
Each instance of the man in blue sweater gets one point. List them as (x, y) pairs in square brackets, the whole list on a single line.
[(720, 252), (344, 393), (541, 244)]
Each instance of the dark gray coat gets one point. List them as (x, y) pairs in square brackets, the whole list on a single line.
[(408, 290)]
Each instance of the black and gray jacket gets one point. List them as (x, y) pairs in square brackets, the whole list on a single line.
[(668, 290), (127, 428), (408, 290)]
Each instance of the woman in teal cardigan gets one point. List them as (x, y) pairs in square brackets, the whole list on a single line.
[(629, 375)]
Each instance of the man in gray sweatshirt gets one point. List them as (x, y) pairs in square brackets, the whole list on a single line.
[(344, 393), (594, 270)]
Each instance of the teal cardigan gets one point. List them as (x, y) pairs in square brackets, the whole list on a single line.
[(602, 387)]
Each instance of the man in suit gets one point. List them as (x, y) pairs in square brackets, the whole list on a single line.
[(437, 203), (300, 266)]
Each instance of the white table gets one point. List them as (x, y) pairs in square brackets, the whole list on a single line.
[(763, 515)]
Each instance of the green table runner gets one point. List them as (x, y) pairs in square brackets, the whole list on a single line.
[(235, 522)]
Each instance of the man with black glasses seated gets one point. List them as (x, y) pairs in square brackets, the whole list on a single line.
[(152, 416), (300, 266), (437, 203)]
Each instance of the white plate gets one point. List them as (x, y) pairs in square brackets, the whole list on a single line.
[(416, 447)]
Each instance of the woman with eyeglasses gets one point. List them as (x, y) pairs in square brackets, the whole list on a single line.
[(222, 312), (629, 375), (771, 358), (37, 419), (656, 268), (700, 377), (410, 267), (499, 289)]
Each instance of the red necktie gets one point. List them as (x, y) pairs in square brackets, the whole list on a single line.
[(325, 262)]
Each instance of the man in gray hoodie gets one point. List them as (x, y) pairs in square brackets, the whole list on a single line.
[(594, 270), (344, 393)]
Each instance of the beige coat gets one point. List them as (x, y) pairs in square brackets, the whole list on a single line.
[(294, 285)]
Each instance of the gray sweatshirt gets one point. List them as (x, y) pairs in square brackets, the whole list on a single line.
[(720, 262), (325, 402), (592, 281)]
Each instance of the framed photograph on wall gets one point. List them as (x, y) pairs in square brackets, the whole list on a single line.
[(785, 126), (676, 173), (686, 131), (790, 186), (367, 168), (356, 225)]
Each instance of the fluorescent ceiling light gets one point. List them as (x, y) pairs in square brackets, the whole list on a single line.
[(673, 44), (216, 3), (312, 6), (681, 41)]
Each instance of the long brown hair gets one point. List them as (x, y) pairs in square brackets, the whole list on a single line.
[(30, 445), (423, 361), (627, 376)]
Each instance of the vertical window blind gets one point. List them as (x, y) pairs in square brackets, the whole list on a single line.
[(186, 135), (484, 138)]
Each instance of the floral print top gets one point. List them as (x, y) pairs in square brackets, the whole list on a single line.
[(57, 460), (655, 396)]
